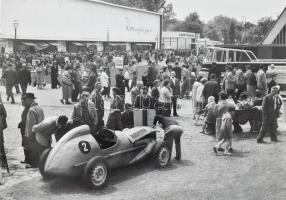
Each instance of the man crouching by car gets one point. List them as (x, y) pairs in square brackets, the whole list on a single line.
[(172, 132)]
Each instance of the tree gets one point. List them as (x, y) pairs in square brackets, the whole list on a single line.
[(232, 35), (264, 25), (222, 28), (192, 23)]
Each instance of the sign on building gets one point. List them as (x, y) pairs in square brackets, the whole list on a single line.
[(118, 61)]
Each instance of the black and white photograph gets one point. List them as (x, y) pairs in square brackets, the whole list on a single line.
[(142, 99)]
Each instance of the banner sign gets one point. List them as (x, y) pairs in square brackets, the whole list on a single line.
[(118, 61)]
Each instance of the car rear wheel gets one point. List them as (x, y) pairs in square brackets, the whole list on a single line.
[(96, 173), (42, 162), (162, 155)]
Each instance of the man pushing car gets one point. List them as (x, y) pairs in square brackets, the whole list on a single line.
[(172, 132), (44, 130)]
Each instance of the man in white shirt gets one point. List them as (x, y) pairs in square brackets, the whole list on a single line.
[(104, 79), (127, 77)]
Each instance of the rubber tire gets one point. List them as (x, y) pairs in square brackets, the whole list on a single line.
[(42, 162), (87, 175), (156, 153)]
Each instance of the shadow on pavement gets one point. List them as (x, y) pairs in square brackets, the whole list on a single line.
[(117, 176)]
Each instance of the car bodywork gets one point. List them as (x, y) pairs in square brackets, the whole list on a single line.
[(73, 151)]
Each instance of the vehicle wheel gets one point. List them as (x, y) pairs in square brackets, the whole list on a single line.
[(42, 162), (96, 173), (162, 155)]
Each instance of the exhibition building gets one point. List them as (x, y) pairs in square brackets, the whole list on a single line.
[(71, 25)]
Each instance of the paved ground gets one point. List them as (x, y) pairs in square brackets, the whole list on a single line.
[(254, 171)]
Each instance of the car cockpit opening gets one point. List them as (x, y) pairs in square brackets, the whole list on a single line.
[(106, 138)]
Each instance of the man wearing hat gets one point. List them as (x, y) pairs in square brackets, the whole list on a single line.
[(35, 115)]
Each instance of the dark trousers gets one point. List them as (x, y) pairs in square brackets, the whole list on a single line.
[(75, 92), (2, 148), (24, 87), (55, 82), (174, 102), (269, 125), (9, 91), (17, 88), (231, 92), (166, 109), (122, 92), (127, 84), (174, 133), (240, 89)]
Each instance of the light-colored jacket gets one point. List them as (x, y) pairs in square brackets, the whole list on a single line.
[(261, 81), (104, 79), (165, 95), (47, 127), (44, 130), (199, 93), (35, 116)]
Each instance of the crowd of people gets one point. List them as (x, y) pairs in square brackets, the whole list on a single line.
[(86, 80)]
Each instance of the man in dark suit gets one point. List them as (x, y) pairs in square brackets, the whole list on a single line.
[(270, 112), (178, 71), (120, 83), (54, 75), (24, 78), (10, 77), (144, 101), (211, 88), (175, 86), (151, 74)]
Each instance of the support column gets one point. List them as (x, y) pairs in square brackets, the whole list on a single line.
[(9, 46), (99, 46), (62, 46), (128, 46)]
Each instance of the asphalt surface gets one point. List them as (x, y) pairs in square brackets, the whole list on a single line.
[(254, 171)]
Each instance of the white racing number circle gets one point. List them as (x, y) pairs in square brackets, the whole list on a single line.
[(84, 147)]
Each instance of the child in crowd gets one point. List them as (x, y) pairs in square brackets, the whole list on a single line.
[(210, 121), (226, 131)]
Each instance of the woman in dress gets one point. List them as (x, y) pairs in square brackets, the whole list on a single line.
[(200, 100), (222, 108), (196, 84), (66, 85)]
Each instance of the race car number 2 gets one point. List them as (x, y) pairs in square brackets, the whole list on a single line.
[(84, 147)]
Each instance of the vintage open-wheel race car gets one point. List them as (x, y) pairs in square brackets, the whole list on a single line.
[(79, 153)]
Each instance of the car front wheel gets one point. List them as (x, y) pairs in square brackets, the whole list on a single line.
[(162, 155), (96, 173)]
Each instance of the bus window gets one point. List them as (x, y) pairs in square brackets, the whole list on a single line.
[(231, 57), (242, 57), (209, 56)]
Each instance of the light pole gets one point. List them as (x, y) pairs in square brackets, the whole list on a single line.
[(244, 28), (162, 12), (15, 25)]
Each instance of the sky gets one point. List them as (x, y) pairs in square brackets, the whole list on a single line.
[(242, 10)]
